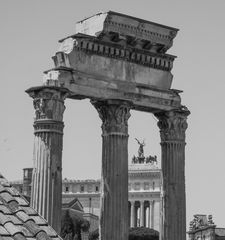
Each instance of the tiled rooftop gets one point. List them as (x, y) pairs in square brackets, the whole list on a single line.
[(18, 221)]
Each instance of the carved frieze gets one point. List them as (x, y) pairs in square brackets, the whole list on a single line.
[(173, 124), (114, 115), (93, 45)]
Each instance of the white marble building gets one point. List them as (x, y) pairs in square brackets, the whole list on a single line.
[(144, 194)]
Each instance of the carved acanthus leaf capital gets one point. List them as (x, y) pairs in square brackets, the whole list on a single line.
[(48, 102), (114, 115), (173, 124)]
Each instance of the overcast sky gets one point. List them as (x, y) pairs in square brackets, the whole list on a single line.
[(30, 31)]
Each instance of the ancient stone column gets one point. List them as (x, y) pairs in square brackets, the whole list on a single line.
[(172, 127), (114, 193), (46, 193), (132, 209)]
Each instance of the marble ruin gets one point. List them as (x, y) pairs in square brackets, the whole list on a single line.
[(120, 63)]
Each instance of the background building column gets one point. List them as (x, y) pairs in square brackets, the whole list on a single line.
[(114, 193), (142, 214), (149, 214), (173, 125), (132, 209), (46, 195), (152, 214)]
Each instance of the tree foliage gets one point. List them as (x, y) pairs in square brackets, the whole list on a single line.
[(138, 233), (72, 227), (143, 233), (94, 235)]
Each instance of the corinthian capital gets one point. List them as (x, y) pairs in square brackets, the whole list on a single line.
[(114, 115), (173, 124), (48, 102)]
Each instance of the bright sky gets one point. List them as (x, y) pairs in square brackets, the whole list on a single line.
[(30, 31)]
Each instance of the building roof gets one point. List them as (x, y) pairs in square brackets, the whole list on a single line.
[(220, 232), (72, 203), (19, 221)]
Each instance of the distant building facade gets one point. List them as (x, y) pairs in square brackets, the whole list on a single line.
[(144, 194), (144, 186), (203, 228)]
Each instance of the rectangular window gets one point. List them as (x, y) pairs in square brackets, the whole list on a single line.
[(96, 188), (153, 185), (81, 188), (129, 186), (67, 189), (26, 173), (137, 186), (146, 186)]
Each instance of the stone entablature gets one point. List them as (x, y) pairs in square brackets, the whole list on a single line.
[(138, 32), (92, 45)]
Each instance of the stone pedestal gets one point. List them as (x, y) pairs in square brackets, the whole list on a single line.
[(172, 127), (114, 193), (46, 193)]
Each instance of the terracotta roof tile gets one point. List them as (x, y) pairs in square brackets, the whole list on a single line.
[(3, 231), (2, 189), (6, 238), (32, 227), (13, 191), (42, 236), (3, 218), (25, 231), (38, 220), (21, 201), (49, 230), (4, 209), (19, 236), (14, 206), (9, 218), (18, 221), (11, 228), (6, 196), (22, 216), (29, 211)]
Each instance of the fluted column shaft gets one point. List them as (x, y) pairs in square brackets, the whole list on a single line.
[(46, 195), (172, 131), (114, 194)]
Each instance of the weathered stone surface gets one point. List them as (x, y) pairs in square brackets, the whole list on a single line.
[(46, 193), (114, 193), (172, 127), (115, 56), (123, 59), (125, 26), (143, 97)]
